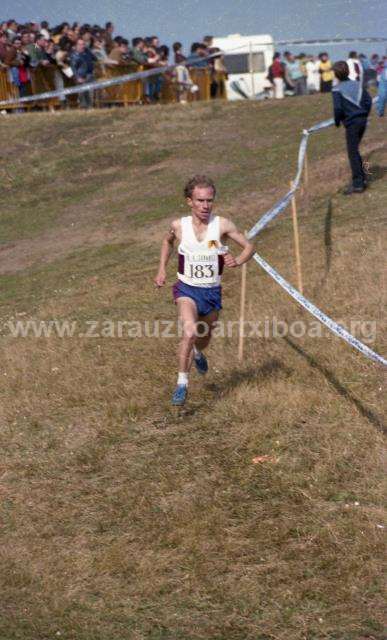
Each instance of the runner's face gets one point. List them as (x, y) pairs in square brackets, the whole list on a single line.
[(201, 203)]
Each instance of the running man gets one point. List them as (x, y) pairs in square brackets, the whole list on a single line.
[(197, 292)]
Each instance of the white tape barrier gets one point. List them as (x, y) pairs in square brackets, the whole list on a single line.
[(309, 306), (88, 86), (283, 203), (337, 329), (103, 84)]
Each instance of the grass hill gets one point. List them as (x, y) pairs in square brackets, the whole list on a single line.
[(121, 518)]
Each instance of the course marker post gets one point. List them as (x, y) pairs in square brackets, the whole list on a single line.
[(242, 312), (296, 243)]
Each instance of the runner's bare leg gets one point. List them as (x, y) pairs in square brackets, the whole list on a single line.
[(204, 338), (188, 316)]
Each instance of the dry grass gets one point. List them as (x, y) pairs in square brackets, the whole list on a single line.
[(122, 519)]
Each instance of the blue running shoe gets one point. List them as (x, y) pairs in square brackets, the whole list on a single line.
[(201, 363), (180, 395)]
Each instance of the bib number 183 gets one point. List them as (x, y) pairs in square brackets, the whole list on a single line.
[(201, 270)]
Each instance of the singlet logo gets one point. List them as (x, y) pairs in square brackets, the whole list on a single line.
[(213, 244)]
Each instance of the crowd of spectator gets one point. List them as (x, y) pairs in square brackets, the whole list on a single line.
[(79, 53), (305, 74), (76, 51)]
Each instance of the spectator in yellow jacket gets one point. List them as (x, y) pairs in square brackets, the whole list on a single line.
[(326, 72)]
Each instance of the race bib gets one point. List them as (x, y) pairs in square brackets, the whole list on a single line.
[(201, 268)]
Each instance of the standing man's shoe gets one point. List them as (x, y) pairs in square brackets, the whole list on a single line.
[(351, 189)]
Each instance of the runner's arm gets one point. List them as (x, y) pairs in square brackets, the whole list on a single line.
[(165, 254), (230, 231)]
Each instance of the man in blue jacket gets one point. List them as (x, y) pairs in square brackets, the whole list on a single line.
[(382, 91), (82, 62), (351, 104)]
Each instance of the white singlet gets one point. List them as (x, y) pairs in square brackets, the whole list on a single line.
[(200, 263)]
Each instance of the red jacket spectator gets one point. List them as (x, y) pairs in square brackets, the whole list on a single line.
[(277, 69)]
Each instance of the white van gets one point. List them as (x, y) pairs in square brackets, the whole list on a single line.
[(247, 59)]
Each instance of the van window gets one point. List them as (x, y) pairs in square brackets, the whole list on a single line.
[(240, 62), (258, 62)]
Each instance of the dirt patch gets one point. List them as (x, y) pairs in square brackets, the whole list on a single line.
[(51, 246)]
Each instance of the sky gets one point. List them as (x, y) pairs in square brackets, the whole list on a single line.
[(190, 20)]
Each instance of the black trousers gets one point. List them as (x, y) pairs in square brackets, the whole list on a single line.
[(354, 133), (326, 86)]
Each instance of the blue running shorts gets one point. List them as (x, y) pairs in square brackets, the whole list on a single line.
[(207, 299)]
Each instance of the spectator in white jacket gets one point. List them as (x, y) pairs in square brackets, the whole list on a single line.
[(313, 74), (355, 67)]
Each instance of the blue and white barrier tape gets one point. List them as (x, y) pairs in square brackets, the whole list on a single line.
[(283, 202), (89, 86), (322, 125), (103, 84), (317, 313)]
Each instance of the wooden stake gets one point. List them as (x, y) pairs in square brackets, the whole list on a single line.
[(296, 243), (242, 313)]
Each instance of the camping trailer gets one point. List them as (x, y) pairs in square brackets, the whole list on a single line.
[(247, 59)]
